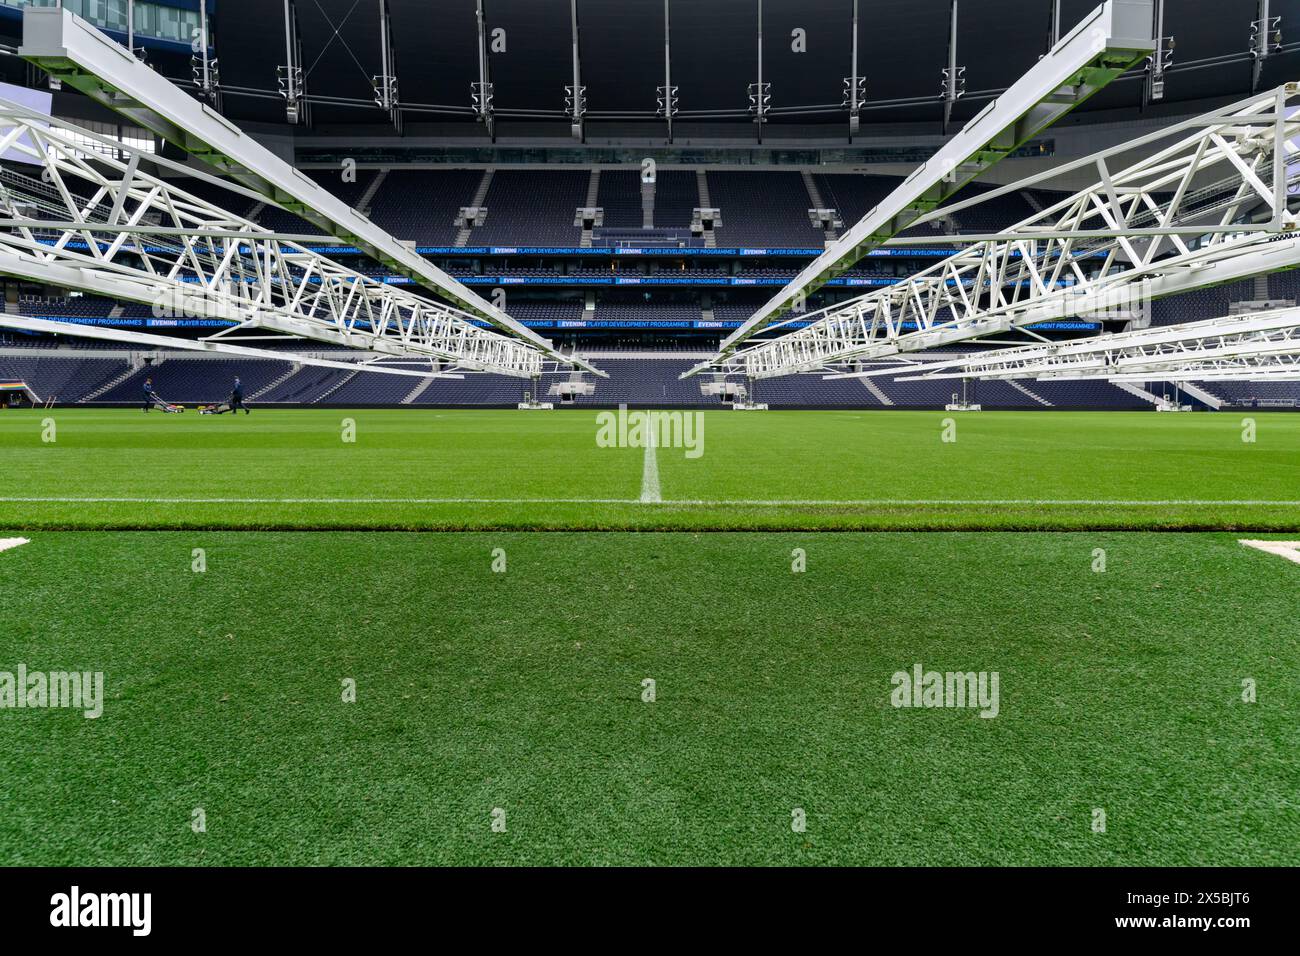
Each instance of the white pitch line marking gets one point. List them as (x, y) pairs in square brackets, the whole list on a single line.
[(7, 543), (684, 502), (650, 476), (1284, 549)]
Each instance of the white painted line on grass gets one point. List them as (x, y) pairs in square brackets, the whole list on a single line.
[(966, 502), (684, 502), (7, 543), (1285, 549), (323, 501), (650, 476)]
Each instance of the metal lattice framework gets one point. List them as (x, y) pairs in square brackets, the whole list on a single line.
[(103, 224), (1209, 209), (1240, 340), (1276, 368)]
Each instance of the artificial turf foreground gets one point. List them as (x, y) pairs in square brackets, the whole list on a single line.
[(472, 470), (1120, 690)]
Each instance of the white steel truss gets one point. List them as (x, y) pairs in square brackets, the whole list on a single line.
[(82, 57), (1114, 37), (1234, 338), (363, 362), (1272, 368), (106, 225), (1210, 208)]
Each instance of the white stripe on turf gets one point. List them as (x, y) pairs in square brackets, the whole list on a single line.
[(650, 475), (1285, 549), (696, 503), (7, 543)]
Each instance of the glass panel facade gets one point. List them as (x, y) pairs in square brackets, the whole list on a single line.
[(130, 135), (152, 20)]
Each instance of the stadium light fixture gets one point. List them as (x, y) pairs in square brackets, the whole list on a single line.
[(954, 76), (482, 90), (666, 95), (576, 95), (205, 68), (1265, 40), (854, 85), (760, 91), (1113, 38), (385, 84), (290, 74), (1160, 60)]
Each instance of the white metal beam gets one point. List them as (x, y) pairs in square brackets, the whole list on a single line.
[(1246, 368), (132, 337)]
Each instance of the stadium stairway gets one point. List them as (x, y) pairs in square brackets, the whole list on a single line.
[(706, 202), (368, 197), (1085, 393), (335, 387), (369, 388), (303, 388), (474, 390), (476, 201), (818, 202), (410, 397), (112, 383), (1027, 391), (1139, 392), (875, 390), (261, 392), (1202, 395)]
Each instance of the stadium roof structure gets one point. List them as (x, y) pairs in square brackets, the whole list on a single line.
[(1211, 208), (84, 58), (434, 52), (1103, 46)]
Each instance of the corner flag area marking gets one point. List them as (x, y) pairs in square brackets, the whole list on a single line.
[(1283, 549), (7, 543)]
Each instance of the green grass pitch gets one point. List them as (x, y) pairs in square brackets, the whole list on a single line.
[(473, 470), (523, 691), (501, 666)]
